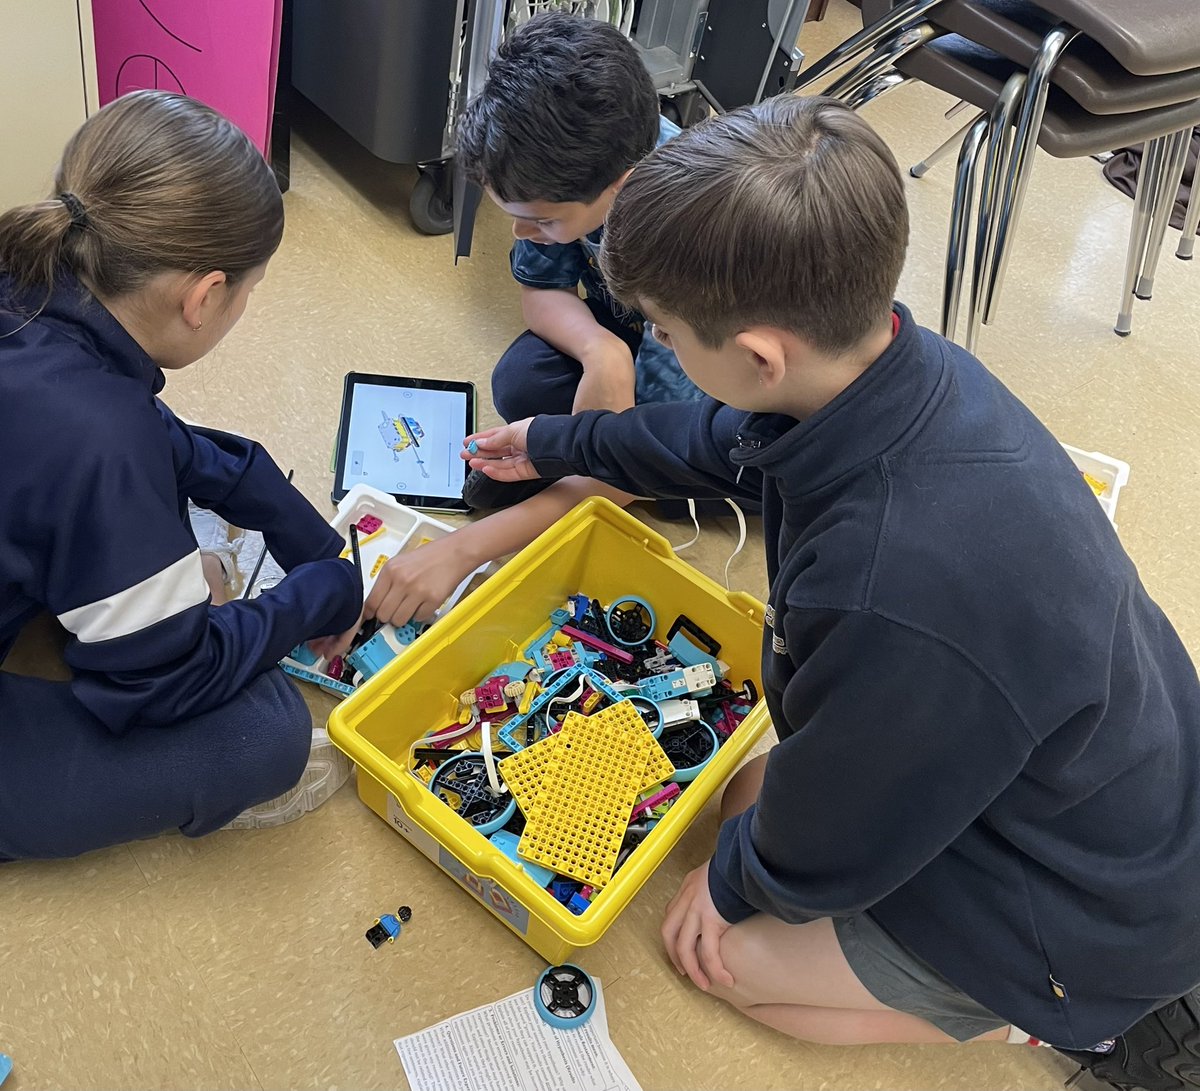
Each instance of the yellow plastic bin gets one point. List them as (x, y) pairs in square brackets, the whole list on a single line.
[(604, 552)]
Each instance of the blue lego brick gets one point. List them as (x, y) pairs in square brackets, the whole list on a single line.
[(406, 634), (559, 617), (589, 657), (507, 843), (322, 680), (579, 607), (690, 680), (578, 904), (534, 651), (5, 1066), (516, 670), (304, 655), (373, 656), (564, 890), (689, 655)]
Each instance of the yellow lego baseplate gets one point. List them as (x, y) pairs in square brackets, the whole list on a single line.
[(523, 771), (587, 792)]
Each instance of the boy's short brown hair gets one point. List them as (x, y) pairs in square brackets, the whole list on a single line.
[(790, 213)]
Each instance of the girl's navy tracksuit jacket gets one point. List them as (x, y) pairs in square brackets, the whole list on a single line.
[(93, 496)]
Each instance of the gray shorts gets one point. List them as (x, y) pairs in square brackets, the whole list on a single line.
[(896, 977)]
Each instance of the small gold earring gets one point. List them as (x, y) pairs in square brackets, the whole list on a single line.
[(196, 327)]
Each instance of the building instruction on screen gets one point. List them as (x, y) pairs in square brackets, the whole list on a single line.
[(405, 440)]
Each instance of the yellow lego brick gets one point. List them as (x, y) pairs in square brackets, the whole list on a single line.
[(1095, 484), (523, 771), (380, 561), (532, 689), (659, 766), (588, 789)]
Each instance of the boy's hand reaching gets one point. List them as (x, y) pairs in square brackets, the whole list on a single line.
[(692, 931), (500, 453), (411, 586)]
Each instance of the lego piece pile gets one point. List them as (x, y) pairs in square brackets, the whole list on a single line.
[(567, 758)]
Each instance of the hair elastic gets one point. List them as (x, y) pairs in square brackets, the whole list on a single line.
[(79, 216)]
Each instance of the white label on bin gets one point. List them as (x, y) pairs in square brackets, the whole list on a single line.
[(491, 894), (405, 825)]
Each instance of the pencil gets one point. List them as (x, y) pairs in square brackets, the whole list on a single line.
[(354, 546)]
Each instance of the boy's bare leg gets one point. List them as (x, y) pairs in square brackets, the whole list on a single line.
[(794, 977), (743, 787)]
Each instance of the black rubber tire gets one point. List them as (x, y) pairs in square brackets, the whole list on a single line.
[(1158, 1053), (431, 213)]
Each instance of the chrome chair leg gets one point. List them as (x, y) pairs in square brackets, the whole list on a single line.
[(881, 61), (1020, 165), (1168, 186), (1139, 229), (860, 44), (1187, 241), (960, 223), (879, 85), (1000, 134), (944, 148)]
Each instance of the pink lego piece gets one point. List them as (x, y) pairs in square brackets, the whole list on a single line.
[(562, 660), (369, 524), (336, 668), (656, 800), (590, 641), (490, 696)]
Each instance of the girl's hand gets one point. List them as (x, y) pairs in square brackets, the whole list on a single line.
[(501, 453), (412, 585), (338, 644)]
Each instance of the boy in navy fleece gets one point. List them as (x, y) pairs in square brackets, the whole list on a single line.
[(982, 820)]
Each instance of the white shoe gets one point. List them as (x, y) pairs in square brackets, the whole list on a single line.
[(327, 770)]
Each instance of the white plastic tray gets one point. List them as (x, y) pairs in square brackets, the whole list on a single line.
[(1112, 471), (403, 529)]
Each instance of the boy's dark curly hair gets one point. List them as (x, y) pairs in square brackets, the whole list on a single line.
[(568, 107)]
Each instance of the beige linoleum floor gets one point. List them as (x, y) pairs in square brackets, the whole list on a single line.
[(238, 961)]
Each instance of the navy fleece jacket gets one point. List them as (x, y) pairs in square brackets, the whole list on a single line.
[(93, 523), (989, 732)]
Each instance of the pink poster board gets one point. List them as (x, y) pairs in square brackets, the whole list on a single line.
[(223, 52)]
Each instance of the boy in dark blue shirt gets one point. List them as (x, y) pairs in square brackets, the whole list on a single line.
[(567, 111), (982, 819)]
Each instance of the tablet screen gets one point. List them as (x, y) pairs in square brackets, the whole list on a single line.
[(404, 437)]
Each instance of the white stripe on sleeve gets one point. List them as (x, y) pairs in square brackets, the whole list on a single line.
[(178, 587)]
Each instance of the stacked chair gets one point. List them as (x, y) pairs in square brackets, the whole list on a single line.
[(1076, 77)]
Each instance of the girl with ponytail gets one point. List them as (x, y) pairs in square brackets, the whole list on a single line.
[(162, 219)]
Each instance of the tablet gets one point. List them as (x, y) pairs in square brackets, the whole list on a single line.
[(404, 436)]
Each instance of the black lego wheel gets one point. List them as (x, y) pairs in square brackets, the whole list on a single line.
[(462, 784), (430, 206), (564, 996)]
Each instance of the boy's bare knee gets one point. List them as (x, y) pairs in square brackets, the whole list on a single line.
[(741, 957)]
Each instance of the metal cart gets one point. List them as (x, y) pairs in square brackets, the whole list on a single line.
[(396, 73)]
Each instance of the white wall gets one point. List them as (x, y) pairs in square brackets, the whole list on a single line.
[(47, 88)]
